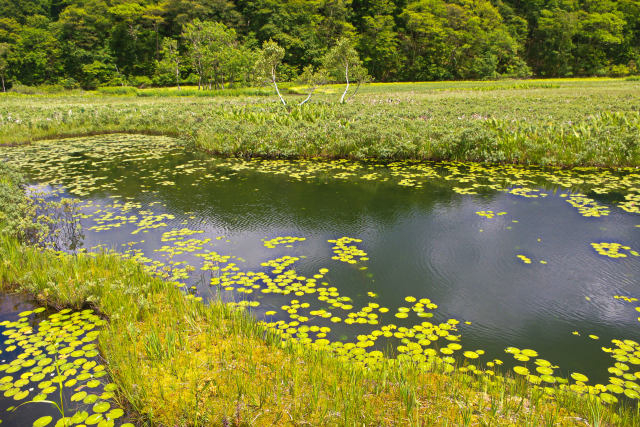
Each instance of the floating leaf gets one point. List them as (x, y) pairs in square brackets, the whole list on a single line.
[(42, 421), (101, 407), (521, 370), (579, 377), (115, 413)]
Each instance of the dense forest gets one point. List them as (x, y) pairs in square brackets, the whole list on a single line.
[(88, 43)]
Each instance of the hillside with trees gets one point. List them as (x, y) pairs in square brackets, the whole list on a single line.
[(217, 43)]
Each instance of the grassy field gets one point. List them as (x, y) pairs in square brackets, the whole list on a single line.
[(580, 122)]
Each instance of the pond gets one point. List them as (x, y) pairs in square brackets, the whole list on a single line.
[(532, 268)]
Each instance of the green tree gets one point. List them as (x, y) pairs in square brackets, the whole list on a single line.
[(20, 10), (154, 14), (462, 39), (84, 32), (379, 42), (599, 35), (629, 53), (304, 28), (209, 44), (342, 61), (9, 29), (193, 35), (171, 59), (237, 61), (181, 12), (269, 59), (312, 79), (4, 62), (35, 57), (126, 17)]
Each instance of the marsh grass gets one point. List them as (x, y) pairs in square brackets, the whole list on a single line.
[(585, 122)]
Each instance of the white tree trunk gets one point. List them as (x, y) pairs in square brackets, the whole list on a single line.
[(308, 96), (199, 74), (346, 75), (354, 92), (273, 79)]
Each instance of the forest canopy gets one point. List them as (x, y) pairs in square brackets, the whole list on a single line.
[(89, 43)]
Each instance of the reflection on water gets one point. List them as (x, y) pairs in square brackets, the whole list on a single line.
[(508, 252)]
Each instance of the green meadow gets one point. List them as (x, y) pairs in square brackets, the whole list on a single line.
[(579, 122)]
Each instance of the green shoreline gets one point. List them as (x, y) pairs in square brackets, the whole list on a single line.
[(578, 123), (218, 363)]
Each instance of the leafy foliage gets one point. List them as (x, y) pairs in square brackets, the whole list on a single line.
[(98, 42)]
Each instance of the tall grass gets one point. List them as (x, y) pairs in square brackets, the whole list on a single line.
[(578, 123)]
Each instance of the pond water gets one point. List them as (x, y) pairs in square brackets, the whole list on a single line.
[(480, 258)]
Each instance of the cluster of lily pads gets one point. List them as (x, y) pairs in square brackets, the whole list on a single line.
[(490, 214), (57, 364), (614, 250), (345, 252), (586, 206), (284, 240), (312, 311)]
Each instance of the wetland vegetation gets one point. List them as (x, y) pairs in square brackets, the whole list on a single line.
[(318, 282), (286, 237), (562, 122)]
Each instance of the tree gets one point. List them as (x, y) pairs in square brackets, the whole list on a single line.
[(194, 37), (462, 39), (84, 35), (4, 63), (154, 13), (219, 44), (171, 58), (304, 28), (379, 40), (269, 58), (342, 60), (237, 63), (553, 55), (126, 17), (208, 44), (181, 12), (36, 55), (597, 38)]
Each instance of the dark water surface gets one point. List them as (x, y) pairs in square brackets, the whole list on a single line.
[(422, 235)]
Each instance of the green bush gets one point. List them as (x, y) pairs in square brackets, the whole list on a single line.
[(17, 212)]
